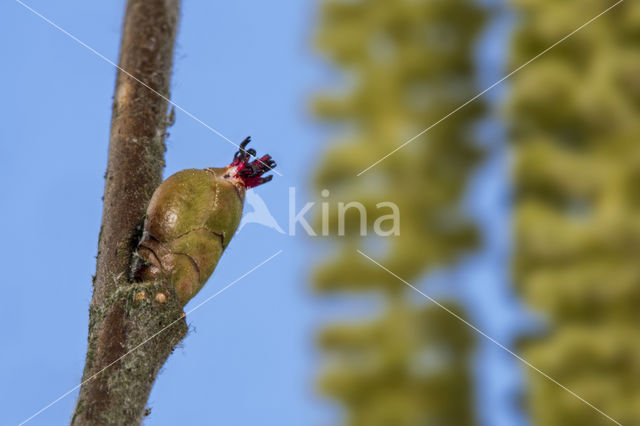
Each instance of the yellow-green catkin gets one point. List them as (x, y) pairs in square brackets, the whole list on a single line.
[(575, 120), (404, 65)]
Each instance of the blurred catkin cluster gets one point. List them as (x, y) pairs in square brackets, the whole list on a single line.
[(403, 65), (574, 118)]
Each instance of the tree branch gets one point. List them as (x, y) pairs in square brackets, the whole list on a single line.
[(117, 382)]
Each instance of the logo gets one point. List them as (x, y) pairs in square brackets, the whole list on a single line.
[(384, 225)]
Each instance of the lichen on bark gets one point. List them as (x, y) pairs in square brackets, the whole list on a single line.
[(131, 335)]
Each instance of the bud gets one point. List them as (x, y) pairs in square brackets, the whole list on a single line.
[(191, 218)]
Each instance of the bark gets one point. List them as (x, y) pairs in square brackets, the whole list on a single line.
[(123, 314)]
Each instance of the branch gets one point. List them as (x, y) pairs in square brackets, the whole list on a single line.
[(121, 366)]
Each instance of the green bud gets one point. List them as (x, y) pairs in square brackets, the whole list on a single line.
[(191, 218)]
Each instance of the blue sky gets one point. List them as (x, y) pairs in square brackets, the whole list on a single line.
[(244, 68)]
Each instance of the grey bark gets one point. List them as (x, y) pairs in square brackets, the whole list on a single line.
[(121, 364)]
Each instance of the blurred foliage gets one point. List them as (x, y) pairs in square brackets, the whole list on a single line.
[(574, 122), (404, 64)]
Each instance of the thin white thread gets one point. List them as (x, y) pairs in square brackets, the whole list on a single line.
[(489, 88), (491, 339), (109, 61), (148, 339)]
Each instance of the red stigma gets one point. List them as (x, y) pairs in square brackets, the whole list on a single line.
[(250, 173)]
